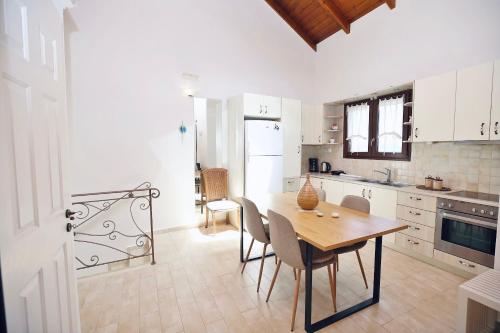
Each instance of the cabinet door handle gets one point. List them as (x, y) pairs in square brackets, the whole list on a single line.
[(266, 110), (414, 213), (260, 111), (363, 193), (298, 149), (482, 128), (461, 262), (496, 128), (412, 242), (302, 138), (369, 194), (319, 138), (416, 132), (415, 198), (415, 228)]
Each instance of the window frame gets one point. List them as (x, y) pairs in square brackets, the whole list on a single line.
[(373, 153)]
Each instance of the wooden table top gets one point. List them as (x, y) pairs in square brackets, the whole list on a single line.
[(327, 233)]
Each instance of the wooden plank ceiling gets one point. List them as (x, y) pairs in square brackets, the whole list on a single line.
[(316, 20)]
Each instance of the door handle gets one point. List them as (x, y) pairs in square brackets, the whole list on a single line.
[(482, 128), (496, 128), (260, 108), (69, 214), (298, 149), (363, 193), (369, 194), (414, 213), (416, 132), (266, 110), (319, 138), (302, 138)]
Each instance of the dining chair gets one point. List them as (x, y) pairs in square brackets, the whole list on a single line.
[(362, 205), (292, 251), (214, 188), (257, 229)]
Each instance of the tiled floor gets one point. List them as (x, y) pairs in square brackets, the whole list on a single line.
[(196, 286)]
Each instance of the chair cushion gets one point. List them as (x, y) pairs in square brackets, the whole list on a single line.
[(222, 205), (349, 248), (320, 258)]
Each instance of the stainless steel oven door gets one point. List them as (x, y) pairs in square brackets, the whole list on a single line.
[(466, 236)]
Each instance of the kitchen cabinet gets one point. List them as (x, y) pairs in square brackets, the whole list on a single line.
[(261, 106), (312, 124), (334, 191), (473, 103), (495, 103), (434, 108), (291, 118), (354, 189), (460, 263)]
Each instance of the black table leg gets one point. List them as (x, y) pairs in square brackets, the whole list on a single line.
[(313, 327), (307, 321), (242, 245)]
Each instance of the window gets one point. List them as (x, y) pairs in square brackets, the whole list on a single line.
[(377, 128)]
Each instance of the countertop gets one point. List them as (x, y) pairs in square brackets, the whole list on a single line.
[(407, 189)]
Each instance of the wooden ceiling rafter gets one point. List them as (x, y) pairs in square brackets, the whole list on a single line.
[(391, 3), (337, 14), (316, 20), (295, 26)]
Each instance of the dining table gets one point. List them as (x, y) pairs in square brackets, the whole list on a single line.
[(320, 229)]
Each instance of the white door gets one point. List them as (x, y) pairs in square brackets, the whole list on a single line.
[(253, 105), (434, 108), (495, 104), (355, 189), (272, 107), (291, 120), (36, 251), (263, 175), (312, 124), (263, 137), (472, 115), (334, 191)]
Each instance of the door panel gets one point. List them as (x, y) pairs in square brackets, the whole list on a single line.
[(36, 251), (495, 104), (434, 108), (291, 123), (472, 116), (252, 105), (334, 191), (272, 107), (263, 175)]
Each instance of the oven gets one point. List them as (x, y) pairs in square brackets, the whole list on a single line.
[(466, 230)]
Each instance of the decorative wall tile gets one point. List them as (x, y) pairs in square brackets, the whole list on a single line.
[(474, 167)]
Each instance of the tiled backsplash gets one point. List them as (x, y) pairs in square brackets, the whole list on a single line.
[(474, 167)]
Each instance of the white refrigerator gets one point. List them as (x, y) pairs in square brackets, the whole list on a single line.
[(263, 158)]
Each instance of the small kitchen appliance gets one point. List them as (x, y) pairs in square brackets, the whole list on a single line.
[(326, 167), (313, 165)]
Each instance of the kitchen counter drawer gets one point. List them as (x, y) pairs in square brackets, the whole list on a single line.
[(416, 215), (417, 201), (460, 263), (418, 231), (414, 244)]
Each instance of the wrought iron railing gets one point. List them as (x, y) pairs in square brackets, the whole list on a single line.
[(95, 228)]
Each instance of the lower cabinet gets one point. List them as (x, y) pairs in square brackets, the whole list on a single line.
[(414, 244), (334, 191), (460, 263)]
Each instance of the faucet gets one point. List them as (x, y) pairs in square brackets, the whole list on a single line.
[(387, 173)]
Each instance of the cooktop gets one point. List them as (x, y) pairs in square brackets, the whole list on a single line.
[(475, 195)]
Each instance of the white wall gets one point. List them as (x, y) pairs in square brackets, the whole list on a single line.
[(417, 39), (125, 63)]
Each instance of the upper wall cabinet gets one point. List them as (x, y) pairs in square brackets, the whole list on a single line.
[(312, 124), (473, 103), (261, 106), (495, 104), (434, 108)]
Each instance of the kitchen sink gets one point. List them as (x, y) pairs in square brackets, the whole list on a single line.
[(383, 182)]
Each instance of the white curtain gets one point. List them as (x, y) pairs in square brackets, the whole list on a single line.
[(358, 117), (390, 125)]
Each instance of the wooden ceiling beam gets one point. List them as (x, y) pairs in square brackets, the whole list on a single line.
[(391, 3), (292, 23), (337, 14)]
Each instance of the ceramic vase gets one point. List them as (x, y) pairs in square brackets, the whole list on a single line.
[(307, 198)]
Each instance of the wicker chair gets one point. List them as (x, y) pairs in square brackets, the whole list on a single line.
[(214, 187)]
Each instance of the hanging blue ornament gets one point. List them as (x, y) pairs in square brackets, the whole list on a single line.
[(182, 128)]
